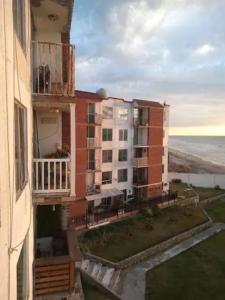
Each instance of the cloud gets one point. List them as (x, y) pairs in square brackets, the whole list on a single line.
[(204, 49), (169, 50)]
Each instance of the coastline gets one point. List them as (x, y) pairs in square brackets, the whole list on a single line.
[(181, 162)]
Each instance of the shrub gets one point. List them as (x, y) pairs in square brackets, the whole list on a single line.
[(217, 187), (176, 180)]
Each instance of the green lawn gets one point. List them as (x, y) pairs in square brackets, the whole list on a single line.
[(125, 238), (182, 189), (205, 193), (194, 275), (216, 210), (92, 293)]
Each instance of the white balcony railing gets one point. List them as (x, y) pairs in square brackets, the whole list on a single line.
[(140, 161), (53, 68), (51, 175), (93, 143)]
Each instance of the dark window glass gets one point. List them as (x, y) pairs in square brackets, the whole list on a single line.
[(106, 156), (107, 134), (106, 177), (20, 146), (122, 175), (19, 21), (123, 134), (123, 155)]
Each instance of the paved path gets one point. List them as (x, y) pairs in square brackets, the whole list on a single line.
[(133, 279)]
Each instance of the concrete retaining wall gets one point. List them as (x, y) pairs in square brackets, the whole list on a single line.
[(128, 262), (108, 292), (201, 180)]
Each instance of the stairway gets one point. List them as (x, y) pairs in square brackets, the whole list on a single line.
[(104, 275)]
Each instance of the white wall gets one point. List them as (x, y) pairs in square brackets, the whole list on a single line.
[(115, 145), (201, 180), (49, 126), (16, 215)]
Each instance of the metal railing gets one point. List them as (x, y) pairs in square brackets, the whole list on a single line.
[(140, 162), (94, 118), (51, 175), (93, 142), (53, 68)]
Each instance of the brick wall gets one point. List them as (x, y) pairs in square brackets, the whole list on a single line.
[(155, 151)]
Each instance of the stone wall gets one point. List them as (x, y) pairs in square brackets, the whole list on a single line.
[(107, 291), (128, 262)]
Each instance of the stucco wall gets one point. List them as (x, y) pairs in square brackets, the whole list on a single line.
[(115, 145), (16, 215)]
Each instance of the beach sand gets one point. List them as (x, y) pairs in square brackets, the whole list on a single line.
[(180, 162)]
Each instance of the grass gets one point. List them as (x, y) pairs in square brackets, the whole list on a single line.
[(182, 189), (196, 274), (120, 240), (216, 210), (205, 193), (92, 293)]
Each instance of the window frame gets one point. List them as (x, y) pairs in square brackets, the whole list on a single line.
[(123, 135), (19, 149), (122, 179), (24, 260), (121, 115), (107, 135), (105, 112), (107, 181), (124, 157), (19, 22), (106, 152)]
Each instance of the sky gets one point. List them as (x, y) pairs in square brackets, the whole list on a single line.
[(162, 50)]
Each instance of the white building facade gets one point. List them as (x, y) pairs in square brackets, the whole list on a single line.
[(16, 211), (117, 117)]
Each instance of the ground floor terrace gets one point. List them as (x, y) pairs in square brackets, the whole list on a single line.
[(94, 211)]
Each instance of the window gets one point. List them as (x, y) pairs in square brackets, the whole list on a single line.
[(91, 113), (122, 175), (106, 134), (20, 146), (19, 21), (107, 112), (22, 274), (91, 159), (106, 156), (106, 202), (123, 134), (123, 114), (106, 177), (122, 155), (91, 131)]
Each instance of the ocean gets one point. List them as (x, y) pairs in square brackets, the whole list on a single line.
[(209, 148)]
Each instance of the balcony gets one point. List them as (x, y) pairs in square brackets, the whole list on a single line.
[(53, 68), (94, 165), (51, 176), (93, 143), (139, 162), (141, 117), (94, 119), (93, 189), (140, 181)]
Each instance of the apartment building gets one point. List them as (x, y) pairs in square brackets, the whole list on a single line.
[(54, 152), (16, 210), (121, 154)]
